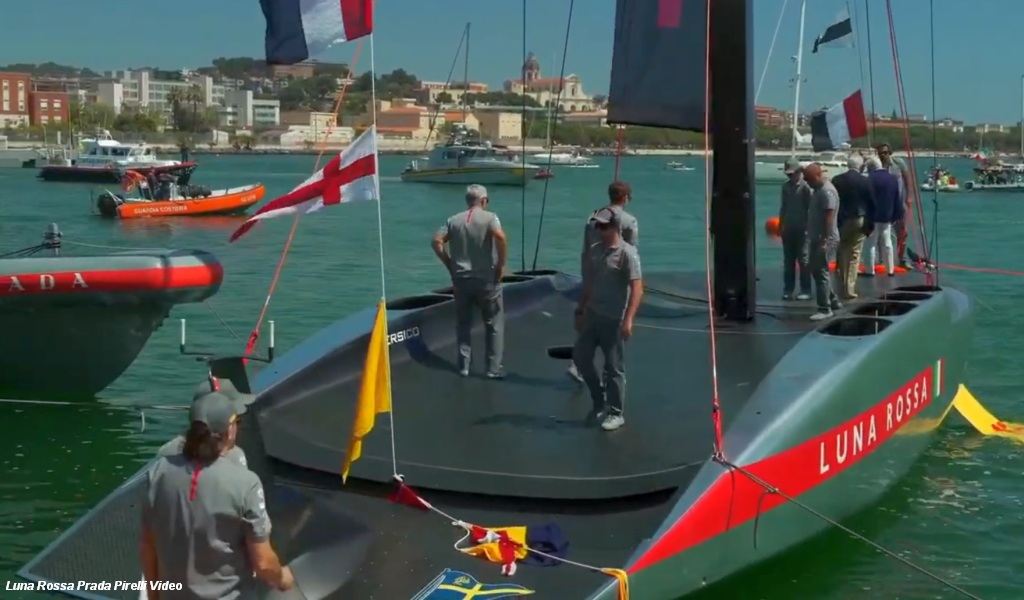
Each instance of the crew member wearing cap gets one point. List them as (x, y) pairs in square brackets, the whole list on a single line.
[(475, 258), (241, 401), (796, 201), (612, 289), (204, 519), (619, 195)]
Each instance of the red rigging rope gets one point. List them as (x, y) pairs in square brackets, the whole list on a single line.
[(920, 230), (716, 408), (255, 335)]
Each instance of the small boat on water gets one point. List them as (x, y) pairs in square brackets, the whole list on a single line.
[(994, 176), (772, 172), (940, 180), (103, 159), (73, 323), (168, 198), (463, 160), (571, 158)]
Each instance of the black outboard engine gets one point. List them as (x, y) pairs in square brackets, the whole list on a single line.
[(107, 204)]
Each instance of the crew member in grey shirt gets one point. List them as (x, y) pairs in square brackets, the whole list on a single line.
[(204, 518), (240, 400), (612, 290), (796, 201), (823, 238), (619, 195), (475, 258)]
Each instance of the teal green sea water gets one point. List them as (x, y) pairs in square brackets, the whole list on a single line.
[(958, 513)]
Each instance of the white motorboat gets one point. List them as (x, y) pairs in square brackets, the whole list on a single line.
[(101, 158), (572, 158), (771, 172), (464, 161)]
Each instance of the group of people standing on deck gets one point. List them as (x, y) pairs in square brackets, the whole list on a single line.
[(474, 249), (853, 214)]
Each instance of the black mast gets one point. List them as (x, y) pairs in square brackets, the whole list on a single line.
[(659, 65), (732, 127)]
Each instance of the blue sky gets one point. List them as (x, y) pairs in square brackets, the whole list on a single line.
[(979, 76)]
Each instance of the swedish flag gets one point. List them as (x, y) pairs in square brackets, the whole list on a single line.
[(456, 585)]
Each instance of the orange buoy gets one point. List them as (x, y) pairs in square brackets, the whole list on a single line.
[(878, 268), (771, 227)]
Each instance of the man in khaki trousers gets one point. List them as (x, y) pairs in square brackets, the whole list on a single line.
[(856, 205)]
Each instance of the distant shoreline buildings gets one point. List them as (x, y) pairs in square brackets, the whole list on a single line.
[(240, 104)]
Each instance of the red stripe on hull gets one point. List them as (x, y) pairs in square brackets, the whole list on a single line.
[(121, 280), (734, 499)]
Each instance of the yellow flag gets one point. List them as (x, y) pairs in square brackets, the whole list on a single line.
[(375, 390)]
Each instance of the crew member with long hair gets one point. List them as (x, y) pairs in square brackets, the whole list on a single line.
[(204, 517)]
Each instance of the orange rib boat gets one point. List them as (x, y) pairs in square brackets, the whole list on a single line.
[(231, 201)]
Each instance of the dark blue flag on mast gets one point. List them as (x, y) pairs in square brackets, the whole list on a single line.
[(839, 33), (659, 63)]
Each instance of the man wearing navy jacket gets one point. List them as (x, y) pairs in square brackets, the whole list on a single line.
[(889, 208)]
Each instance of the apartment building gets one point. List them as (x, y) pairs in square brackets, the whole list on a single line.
[(48, 108), (14, 99), (236, 108)]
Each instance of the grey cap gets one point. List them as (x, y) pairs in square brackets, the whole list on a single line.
[(214, 410), (224, 386), (604, 216), (792, 166)]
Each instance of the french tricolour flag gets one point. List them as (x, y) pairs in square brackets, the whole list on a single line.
[(349, 177), (298, 30), (843, 122)]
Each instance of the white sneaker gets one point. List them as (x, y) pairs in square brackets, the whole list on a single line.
[(574, 373), (822, 315), (803, 296), (612, 422)]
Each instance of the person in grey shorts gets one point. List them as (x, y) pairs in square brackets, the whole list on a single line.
[(793, 209), (473, 247), (204, 519), (619, 195), (612, 290)]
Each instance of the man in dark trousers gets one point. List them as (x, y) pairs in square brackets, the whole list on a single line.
[(796, 200), (475, 258), (612, 290), (889, 208), (822, 239), (204, 517), (619, 195), (856, 203)]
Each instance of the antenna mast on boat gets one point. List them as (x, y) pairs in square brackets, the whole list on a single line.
[(799, 77), (465, 78), (1022, 117)]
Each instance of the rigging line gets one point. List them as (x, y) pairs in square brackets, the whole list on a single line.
[(451, 73), (769, 488), (771, 49), (871, 65), (716, 409), (525, 131), (912, 189), (255, 335), (380, 238), (556, 106), (860, 58), (933, 252), (620, 142)]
